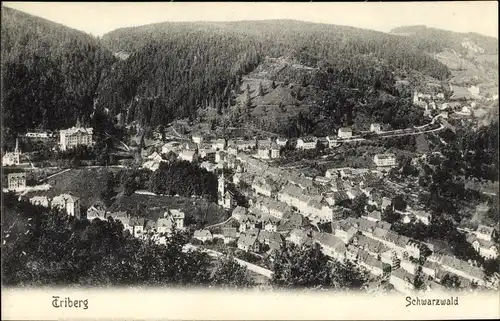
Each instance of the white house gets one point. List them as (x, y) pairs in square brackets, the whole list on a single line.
[(68, 203), (40, 201), (188, 155), (383, 160), (402, 281), (16, 181), (345, 132), (197, 139), (376, 128), (281, 141), (306, 142)]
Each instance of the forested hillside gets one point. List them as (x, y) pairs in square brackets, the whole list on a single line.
[(50, 73), (175, 68), (53, 75), (436, 40)]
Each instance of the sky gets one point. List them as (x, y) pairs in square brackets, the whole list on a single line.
[(99, 18)]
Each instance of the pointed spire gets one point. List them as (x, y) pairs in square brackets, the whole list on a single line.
[(16, 150), (78, 123)]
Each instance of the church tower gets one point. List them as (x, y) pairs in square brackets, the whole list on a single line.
[(16, 150), (221, 190)]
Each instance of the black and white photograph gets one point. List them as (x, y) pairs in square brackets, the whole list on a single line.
[(264, 147)]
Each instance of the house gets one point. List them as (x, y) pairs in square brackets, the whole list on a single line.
[(40, 201), (203, 235), (96, 211), (245, 144), (263, 187), (206, 152), (331, 140), (308, 142), (402, 281), (331, 246), (239, 213), (374, 216), (382, 160), (344, 230), (229, 234), (298, 236), (422, 216), (209, 167), (197, 138), (16, 181), (375, 128), (270, 224), (264, 149), (486, 249), (430, 268), (136, 226), (272, 239), (247, 223), (281, 141), (370, 245), (188, 155), (275, 151), (74, 136), (332, 173), (408, 266), (462, 268), (318, 209), (68, 203), (345, 132), (374, 266), (165, 225), (177, 217), (227, 200), (38, 134), (219, 144), (248, 241), (335, 198), (272, 207), (486, 233)]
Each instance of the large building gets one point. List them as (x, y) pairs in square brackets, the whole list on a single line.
[(16, 181), (383, 160), (10, 159), (74, 136), (68, 203)]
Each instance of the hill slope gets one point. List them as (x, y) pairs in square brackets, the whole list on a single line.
[(471, 57), (50, 72), (175, 68)]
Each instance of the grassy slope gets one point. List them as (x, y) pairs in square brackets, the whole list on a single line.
[(198, 211)]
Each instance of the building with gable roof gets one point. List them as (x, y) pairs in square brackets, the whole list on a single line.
[(68, 203), (248, 241), (203, 235)]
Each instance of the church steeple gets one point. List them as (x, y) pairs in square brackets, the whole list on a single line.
[(16, 150), (221, 189), (78, 122)]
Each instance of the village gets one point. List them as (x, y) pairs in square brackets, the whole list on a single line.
[(282, 204)]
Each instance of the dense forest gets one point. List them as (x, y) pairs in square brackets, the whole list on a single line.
[(50, 73), (436, 40), (176, 68)]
